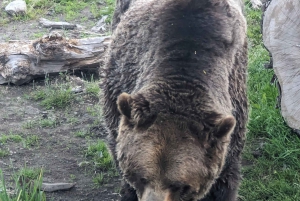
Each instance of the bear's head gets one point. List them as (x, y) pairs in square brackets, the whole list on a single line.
[(169, 158)]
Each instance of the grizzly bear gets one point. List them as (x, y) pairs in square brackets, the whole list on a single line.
[(174, 98)]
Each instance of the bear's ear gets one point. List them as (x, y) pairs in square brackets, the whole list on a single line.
[(225, 126), (124, 104), (136, 108), (142, 114)]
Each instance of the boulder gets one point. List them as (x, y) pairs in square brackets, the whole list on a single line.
[(17, 7)]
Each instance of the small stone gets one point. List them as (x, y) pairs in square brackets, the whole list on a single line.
[(2, 163), (256, 4), (80, 27), (50, 12), (77, 89), (77, 80), (83, 163), (17, 7), (101, 25), (31, 110)]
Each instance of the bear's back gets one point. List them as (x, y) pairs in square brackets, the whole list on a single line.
[(191, 44)]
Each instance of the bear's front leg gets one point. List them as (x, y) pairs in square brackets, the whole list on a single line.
[(128, 193)]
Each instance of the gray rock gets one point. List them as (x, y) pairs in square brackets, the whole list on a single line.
[(31, 110), (77, 89), (17, 7), (80, 27), (101, 25), (256, 4)]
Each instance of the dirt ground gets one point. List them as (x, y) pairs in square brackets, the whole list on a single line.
[(32, 29), (59, 151)]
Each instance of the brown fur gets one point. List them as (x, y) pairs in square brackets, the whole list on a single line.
[(182, 66)]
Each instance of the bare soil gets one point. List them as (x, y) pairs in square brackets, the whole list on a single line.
[(59, 151), (32, 29)]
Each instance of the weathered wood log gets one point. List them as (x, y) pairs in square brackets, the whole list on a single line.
[(281, 38), (48, 187), (21, 61), (56, 25)]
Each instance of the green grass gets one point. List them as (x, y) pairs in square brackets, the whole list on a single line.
[(70, 9), (98, 152), (94, 111), (58, 94), (28, 141), (99, 179), (48, 123), (32, 141), (29, 173), (82, 133), (92, 88), (3, 18), (51, 97), (10, 138), (42, 123), (108, 9), (27, 182), (29, 124), (3, 153), (72, 177), (99, 156), (73, 120), (54, 95), (275, 174), (38, 35)]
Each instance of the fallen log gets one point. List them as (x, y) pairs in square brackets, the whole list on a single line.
[(48, 187), (281, 38), (22, 61), (56, 25)]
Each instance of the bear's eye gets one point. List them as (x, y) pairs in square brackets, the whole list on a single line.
[(186, 194), (185, 189), (144, 181), (174, 187)]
